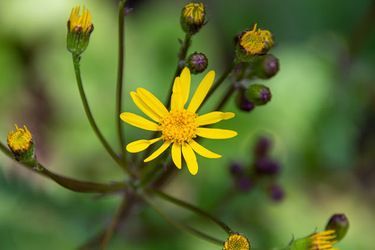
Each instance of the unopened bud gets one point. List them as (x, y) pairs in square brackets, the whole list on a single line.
[(267, 166), (340, 224), (259, 94), (193, 17), (243, 102), (276, 193), (268, 67), (20, 142), (236, 169), (262, 147), (197, 62)]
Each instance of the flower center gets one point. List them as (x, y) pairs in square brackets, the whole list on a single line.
[(179, 126)]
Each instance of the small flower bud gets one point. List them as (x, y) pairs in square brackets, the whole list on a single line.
[(252, 43), (340, 224), (79, 30), (193, 17), (243, 183), (267, 166), (262, 147), (236, 169), (259, 94), (276, 193), (243, 103), (268, 67), (236, 241), (20, 142), (197, 62)]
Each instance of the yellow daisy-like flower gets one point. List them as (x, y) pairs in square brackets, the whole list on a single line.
[(256, 41), (79, 22), (20, 140), (179, 126), (323, 240), (236, 242)]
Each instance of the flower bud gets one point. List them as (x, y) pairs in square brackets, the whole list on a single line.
[(197, 62), (236, 241), (259, 94), (252, 43), (243, 103), (262, 147), (340, 224), (267, 166), (243, 183), (236, 169), (193, 17), (20, 142), (276, 193), (79, 30), (268, 67)]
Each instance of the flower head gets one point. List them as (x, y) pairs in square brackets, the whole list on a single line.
[(21, 144), (323, 240), (180, 126), (79, 30), (254, 42), (193, 17), (236, 242)]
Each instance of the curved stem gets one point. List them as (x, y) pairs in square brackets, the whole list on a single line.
[(191, 208), (67, 182), (120, 74), (76, 62), (183, 227)]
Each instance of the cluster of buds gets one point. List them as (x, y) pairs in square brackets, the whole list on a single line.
[(262, 169)]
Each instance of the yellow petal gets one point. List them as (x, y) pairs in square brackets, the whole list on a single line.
[(140, 145), (190, 158), (214, 133), (147, 110), (158, 152), (151, 101), (176, 101), (176, 155), (214, 117), (138, 121), (185, 85), (202, 150), (201, 91)]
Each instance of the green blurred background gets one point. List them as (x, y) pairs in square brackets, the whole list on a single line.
[(321, 120)]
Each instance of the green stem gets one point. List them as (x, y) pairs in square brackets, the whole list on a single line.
[(226, 97), (183, 227), (191, 208), (66, 182), (76, 62), (120, 75)]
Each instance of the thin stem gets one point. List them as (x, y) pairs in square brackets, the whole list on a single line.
[(226, 97), (67, 182), (191, 208), (76, 62), (183, 227), (120, 75), (218, 83)]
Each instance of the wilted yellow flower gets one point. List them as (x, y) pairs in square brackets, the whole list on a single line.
[(20, 141), (236, 242), (79, 22), (193, 17), (256, 41), (323, 240), (179, 126)]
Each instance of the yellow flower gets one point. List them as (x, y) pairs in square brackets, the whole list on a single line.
[(180, 126), (79, 22), (256, 42), (193, 17), (236, 242), (323, 240), (20, 140)]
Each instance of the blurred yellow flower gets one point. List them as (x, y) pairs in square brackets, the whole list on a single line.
[(20, 140), (256, 42), (180, 126), (79, 22), (236, 242), (323, 240)]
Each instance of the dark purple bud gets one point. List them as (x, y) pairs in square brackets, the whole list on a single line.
[(197, 62), (339, 223), (268, 67), (259, 94), (262, 147), (236, 169), (243, 103), (267, 166), (276, 193), (243, 183)]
